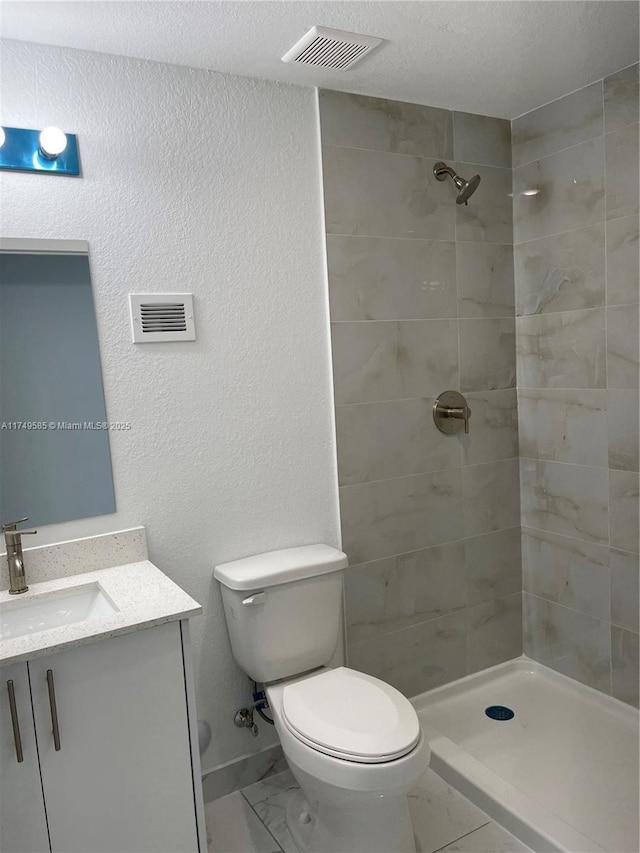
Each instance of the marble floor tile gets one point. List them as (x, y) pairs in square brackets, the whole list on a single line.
[(491, 838), (623, 286), (234, 827), (269, 800), (621, 98), (238, 774), (482, 139)]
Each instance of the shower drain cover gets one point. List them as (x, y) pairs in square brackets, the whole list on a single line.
[(499, 712)]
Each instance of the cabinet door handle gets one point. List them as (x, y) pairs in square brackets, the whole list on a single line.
[(14, 721), (54, 710)]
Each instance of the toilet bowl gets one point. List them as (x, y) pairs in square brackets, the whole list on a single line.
[(353, 742)]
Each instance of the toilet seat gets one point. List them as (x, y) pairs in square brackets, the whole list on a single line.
[(350, 715)]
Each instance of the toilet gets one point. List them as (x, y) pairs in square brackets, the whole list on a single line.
[(353, 742)]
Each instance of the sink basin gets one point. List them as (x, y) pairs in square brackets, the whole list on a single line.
[(46, 611)]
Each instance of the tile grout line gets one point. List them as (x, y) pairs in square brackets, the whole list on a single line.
[(460, 837), (275, 840)]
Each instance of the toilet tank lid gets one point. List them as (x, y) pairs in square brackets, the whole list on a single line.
[(277, 567)]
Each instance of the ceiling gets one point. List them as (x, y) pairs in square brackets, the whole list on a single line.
[(500, 58)]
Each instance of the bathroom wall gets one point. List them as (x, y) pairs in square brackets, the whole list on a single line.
[(575, 184), (422, 300), (201, 182)]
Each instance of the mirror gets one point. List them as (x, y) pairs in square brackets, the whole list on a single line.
[(55, 462)]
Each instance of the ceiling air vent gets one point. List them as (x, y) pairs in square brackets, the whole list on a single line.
[(329, 48), (157, 317)]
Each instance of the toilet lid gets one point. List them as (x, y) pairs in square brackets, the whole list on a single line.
[(351, 715)]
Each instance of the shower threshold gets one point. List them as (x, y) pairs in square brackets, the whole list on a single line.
[(561, 774)]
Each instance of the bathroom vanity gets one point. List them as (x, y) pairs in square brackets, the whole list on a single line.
[(98, 745)]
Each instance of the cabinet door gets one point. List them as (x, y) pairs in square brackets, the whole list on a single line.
[(121, 780), (23, 824)]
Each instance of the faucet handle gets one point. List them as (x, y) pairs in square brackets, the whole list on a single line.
[(10, 526)]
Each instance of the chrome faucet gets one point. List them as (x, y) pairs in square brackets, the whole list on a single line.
[(15, 558)]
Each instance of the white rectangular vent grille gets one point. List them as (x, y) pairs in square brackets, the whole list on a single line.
[(159, 317), (331, 48)]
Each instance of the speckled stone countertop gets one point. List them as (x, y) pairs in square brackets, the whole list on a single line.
[(143, 595)]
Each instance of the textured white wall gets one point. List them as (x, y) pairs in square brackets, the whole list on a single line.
[(202, 182)]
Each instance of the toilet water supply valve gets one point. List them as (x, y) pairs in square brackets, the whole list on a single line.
[(243, 718)]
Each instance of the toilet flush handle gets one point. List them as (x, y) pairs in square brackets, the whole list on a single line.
[(258, 598)]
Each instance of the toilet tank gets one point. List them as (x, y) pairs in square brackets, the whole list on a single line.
[(283, 609)]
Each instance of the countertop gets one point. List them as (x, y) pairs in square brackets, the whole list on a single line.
[(143, 595)]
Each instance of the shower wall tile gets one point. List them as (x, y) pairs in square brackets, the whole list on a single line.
[(621, 98), (493, 565), (487, 354), (373, 278), (485, 280), (567, 571), (568, 641), (494, 632), (622, 347), (565, 272), (570, 193), (567, 499), (622, 172), (565, 350), (357, 121), (488, 215), (558, 125), (625, 570), (623, 253), (623, 408), (392, 594), (377, 441), (388, 361), (482, 139), (385, 195), (490, 497), (561, 425), (493, 432), (396, 516), (623, 510), (625, 665)]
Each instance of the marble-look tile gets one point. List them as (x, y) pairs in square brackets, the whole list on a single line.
[(491, 838), (625, 664), (377, 441), (621, 98), (625, 569), (570, 192), (377, 361), (567, 499), (418, 658), (570, 642), (265, 789), (485, 280), (623, 510), (564, 272), (494, 632), (358, 121), (493, 428), (394, 593), (385, 195), (567, 571), (493, 565), (377, 278), (233, 827), (622, 347), (566, 350), (567, 121), (623, 408), (397, 516), (622, 171), (622, 261), (487, 354), (238, 774), (440, 814), (490, 497), (562, 425), (269, 800), (488, 214), (482, 139)]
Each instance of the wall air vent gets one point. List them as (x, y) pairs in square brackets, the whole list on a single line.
[(159, 317), (329, 48)]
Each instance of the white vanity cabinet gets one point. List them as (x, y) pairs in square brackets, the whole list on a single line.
[(122, 778)]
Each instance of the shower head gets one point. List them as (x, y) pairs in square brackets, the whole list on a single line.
[(465, 188)]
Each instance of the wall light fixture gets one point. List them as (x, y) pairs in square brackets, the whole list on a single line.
[(49, 150)]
